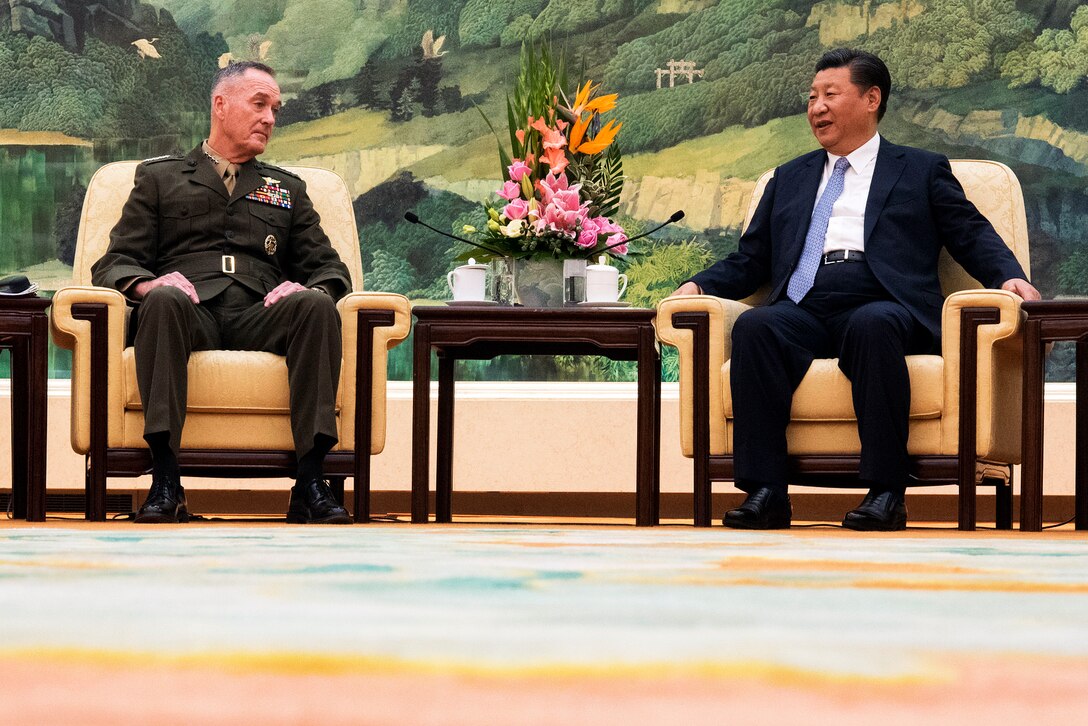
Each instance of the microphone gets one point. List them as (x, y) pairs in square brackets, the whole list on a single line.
[(411, 217), (676, 217)]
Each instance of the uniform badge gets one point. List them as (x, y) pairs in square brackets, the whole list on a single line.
[(270, 245), (270, 181)]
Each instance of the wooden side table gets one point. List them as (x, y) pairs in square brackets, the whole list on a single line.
[(24, 328), (1047, 321), (482, 332)]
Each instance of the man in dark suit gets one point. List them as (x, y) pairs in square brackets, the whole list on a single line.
[(847, 238), (220, 251)]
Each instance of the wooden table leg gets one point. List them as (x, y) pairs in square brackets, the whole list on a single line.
[(1031, 469), (421, 421), (29, 381), (646, 439), (1081, 501), (21, 452), (443, 504)]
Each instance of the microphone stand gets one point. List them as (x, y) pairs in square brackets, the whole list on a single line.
[(416, 220), (676, 217)]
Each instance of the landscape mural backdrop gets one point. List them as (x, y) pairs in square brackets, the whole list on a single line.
[(392, 94)]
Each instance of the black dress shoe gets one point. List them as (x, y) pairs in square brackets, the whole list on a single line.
[(765, 508), (312, 502), (881, 510), (165, 503)]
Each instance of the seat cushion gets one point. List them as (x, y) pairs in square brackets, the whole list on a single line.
[(824, 393), (256, 382)]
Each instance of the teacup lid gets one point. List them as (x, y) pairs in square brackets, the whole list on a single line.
[(472, 264)]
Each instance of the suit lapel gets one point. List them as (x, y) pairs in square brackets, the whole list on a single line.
[(805, 200), (889, 167)]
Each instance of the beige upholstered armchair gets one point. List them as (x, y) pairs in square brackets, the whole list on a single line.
[(237, 421), (965, 404)]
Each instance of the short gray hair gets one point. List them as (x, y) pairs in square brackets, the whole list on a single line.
[(237, 70)]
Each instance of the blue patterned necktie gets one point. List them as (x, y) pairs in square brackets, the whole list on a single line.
[(805, 272)]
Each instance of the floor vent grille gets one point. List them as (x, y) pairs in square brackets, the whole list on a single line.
[(75, 503)]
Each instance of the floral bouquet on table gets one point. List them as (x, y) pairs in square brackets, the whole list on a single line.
[(562, 175)]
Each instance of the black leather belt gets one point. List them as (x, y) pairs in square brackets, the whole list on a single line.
[(843, 256)]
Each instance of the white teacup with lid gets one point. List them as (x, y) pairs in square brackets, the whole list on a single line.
[(603, 283), (467, 282)]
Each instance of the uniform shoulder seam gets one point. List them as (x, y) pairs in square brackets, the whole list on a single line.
[(266, 165), (164, 157)]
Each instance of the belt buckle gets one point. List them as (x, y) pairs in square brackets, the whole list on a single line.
[(228, 263)]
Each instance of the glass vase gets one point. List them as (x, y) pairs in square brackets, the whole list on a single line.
[(574, 281)]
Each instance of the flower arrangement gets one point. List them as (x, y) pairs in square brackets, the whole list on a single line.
[(563, 174)]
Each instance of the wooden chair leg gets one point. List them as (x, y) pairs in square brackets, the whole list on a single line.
[(1003, 498), (699, 324), (970, 320)]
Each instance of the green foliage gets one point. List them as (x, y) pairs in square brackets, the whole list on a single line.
[(754, 94), (390, 273), (757, 59), (654, 276), (1057, 59), (563, 17), (408, 257), (483, 22), (106, 91), (952, 43), (606, 183), (230, 17), (517, 31), (657, 120), (703, 37), (406, 30), (1073, 274)]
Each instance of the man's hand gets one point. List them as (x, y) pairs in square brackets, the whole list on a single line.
[(170, 279), (688, 288), (282, 290), (1023, 288)]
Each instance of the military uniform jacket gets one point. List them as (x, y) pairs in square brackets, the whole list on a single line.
[(179, 218)]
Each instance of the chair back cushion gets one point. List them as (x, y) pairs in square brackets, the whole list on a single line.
[(110, 186), (993, 188)]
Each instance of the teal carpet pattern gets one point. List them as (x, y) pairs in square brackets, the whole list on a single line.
[(803, 607)]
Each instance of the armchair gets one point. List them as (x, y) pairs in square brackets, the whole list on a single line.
[(965, 414), (233, 427)]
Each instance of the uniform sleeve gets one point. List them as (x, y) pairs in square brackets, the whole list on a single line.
[(312, 260), (134, 240)]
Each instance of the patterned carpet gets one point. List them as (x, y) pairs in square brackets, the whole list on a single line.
[(538, 624)]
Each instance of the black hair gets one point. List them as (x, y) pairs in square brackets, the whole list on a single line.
[(866, 71), (237, 70)]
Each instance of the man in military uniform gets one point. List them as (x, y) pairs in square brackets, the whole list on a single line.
[(220, 251)]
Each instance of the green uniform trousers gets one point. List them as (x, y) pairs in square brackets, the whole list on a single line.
[(304, 327)]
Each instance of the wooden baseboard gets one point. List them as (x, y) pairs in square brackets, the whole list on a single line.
[(827, 506)]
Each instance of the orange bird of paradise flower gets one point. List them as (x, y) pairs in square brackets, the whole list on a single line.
[(583, 103)]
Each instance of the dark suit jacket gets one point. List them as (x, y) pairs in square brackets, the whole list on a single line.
[(915, 207), (180, 218)]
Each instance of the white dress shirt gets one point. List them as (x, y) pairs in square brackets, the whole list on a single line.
[(846, 230)]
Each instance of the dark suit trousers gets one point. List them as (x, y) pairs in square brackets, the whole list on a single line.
[(304, 327), (847, 315)]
